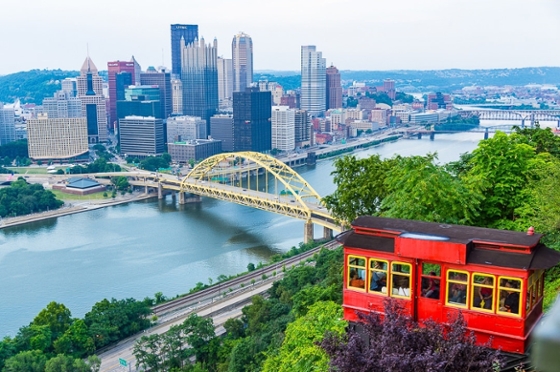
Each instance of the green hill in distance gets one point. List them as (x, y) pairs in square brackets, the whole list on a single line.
[(35, 85), (32, 86)]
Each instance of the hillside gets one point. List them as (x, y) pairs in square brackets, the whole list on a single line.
[(32, 86), (445, 80)]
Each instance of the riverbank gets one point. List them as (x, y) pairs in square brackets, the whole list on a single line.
[(74, 206)]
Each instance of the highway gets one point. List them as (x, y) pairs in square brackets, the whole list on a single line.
[(221, 302)]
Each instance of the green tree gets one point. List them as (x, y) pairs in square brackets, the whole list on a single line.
[(56, 316), (65, 363), (300, 350), (121, 183), (360, 187), (76, 341), (26, 361), (500, 172), (419, 189)]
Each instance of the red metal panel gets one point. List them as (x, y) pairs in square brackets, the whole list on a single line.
[(431, 250)]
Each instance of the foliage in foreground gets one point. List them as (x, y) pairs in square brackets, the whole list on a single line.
[(21, 199), (54, 334), (397, 343)]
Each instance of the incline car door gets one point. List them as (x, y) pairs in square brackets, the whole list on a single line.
[(429, 291)]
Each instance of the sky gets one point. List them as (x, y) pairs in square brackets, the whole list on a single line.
[(352, 34)]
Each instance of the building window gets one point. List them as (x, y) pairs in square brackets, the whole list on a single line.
[(509, 290), (457, 288), (400, 279), (356, 272), (431, 280), (378, 276), (483, 292)]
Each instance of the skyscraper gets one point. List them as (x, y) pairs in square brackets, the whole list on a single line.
[(163, 80), (225, 82), (189, 33), (141, 136), (242, 60), (252, 128), (283, 128), (177, 96), (334, 89), (7, 125), (199, 74), (90, 92), (313, 81), (113, 68)]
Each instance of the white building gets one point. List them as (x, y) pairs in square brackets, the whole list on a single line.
[(225, 80), (57, 138), (313, 81), (62, 105), (283, 128), (185, 128), (177, 96)]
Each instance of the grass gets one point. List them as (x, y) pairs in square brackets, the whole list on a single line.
[(97, 196), (32, 170)]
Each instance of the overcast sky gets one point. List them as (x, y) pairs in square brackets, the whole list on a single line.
[(352, 34)]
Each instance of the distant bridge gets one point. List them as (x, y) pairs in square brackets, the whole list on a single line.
[(420, 131), (248, 178), (532, 116)]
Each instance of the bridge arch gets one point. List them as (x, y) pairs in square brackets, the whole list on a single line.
[(291, 180)]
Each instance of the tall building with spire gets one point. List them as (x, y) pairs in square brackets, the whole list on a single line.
[(90, 92), (334, 89), (313, 81), (188, 33), (199, 74), (242, 60)]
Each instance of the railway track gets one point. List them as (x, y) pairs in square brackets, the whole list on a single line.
[(237, 284)]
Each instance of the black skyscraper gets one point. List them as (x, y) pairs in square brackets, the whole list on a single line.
[(199, 75), (252, 129), (187, 32)]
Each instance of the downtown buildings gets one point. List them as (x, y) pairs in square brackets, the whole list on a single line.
[(252, 128), (90, 92), (186, 34), (313, 81), (242, 61), (199, 76)]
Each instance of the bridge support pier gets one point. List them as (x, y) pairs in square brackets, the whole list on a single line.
[(432, 136), (486, 134), (419, 135), (523, 123), (308, 232), (187, 198), (146, 190), (159, 191), (327, 233)]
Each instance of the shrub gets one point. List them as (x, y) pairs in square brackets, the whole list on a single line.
[(397, 343)]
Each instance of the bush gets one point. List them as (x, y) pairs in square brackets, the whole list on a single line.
[(397, 343)]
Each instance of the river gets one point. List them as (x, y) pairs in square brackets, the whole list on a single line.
[(138, 249)]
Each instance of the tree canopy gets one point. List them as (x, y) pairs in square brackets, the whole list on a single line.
[(22, 198)]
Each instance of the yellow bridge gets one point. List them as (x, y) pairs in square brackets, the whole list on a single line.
[(252, 179)]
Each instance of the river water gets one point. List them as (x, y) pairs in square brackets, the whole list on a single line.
[(138, 249)]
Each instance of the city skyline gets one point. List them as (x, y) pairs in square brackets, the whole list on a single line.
[(362, 35)]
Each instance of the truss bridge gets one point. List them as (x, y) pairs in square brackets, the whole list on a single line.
[(252, 179)]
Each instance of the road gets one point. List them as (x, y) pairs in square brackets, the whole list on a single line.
[(220, 302)]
